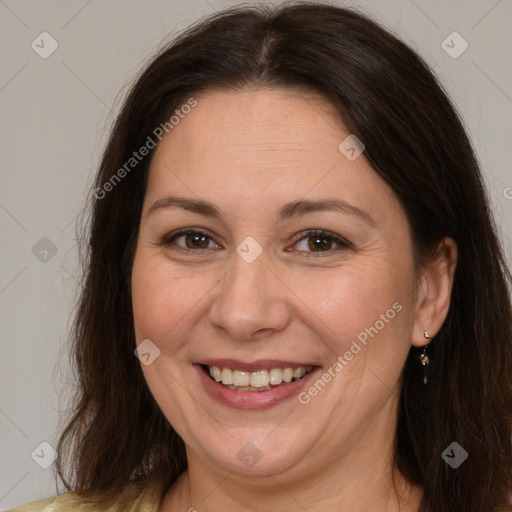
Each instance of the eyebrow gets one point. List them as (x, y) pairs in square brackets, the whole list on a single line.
[(289, 210)]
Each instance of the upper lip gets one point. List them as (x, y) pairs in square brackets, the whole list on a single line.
[(253, 366)]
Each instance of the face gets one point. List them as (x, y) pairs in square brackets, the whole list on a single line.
[(265, 252)]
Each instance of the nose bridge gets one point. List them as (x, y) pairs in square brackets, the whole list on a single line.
[(249, 301)]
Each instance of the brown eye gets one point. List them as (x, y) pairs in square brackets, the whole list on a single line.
[(190, 240), (194, 241), (320, 242)]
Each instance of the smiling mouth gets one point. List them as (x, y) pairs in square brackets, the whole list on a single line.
[(260, 380)]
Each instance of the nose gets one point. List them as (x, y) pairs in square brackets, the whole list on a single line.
[(251, 302)]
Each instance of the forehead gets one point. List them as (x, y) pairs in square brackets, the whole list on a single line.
[(255, 120), (262, 146)]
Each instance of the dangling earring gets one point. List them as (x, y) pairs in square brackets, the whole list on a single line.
[(425, 359)]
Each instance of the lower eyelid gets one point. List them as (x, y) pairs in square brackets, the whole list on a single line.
[(336, 248)]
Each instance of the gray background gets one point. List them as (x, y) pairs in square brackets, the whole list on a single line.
[(55, 116)]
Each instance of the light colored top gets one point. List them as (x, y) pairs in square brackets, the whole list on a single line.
[(134, 498)]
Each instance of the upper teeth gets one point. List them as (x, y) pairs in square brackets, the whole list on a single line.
[(258, 379)]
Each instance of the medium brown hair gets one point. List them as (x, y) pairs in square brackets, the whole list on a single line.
[(387, 96)]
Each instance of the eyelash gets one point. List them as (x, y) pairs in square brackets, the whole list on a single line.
[(320, 233)]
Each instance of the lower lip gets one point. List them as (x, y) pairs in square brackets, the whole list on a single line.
[(253, 400)]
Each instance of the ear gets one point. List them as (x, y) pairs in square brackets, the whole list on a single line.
[(434, 292)]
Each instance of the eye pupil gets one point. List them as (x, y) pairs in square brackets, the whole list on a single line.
[(317, 242), (193, 240)]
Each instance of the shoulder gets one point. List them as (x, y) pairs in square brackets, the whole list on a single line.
[(34, 506), (134, 498)]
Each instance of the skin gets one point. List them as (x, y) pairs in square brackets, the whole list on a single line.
[(249, 152)]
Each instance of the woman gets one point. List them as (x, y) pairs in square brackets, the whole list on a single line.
[(290, 229)]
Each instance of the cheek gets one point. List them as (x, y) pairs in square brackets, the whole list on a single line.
[(361, 312), (354, 297), (162, 299)]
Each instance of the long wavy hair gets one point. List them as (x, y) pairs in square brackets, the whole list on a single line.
[(389, 98)]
